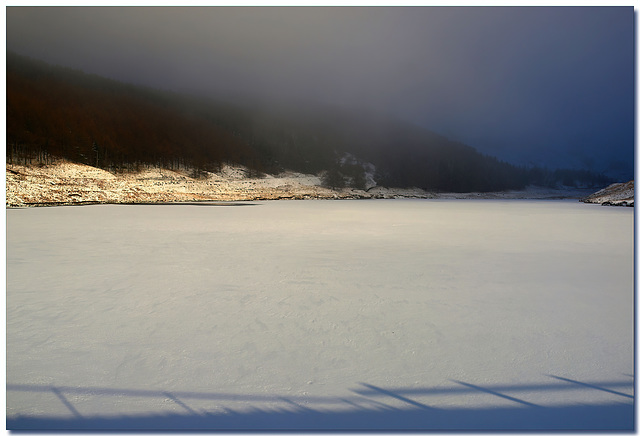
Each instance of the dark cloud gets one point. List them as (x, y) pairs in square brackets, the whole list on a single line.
[(553, 85)]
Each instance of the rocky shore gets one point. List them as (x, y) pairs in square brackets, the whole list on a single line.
[(66, 183), (618, 194)]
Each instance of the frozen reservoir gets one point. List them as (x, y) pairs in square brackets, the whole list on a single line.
[(376, 314)]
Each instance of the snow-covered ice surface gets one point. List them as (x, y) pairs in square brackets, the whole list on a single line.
[(376, 314)]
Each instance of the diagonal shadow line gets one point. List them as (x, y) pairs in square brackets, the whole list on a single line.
[(379, 404), (591, 386), (66, 402), (180, 403), (152, 393), (398, 397), (298, 406), (502, 388), (367, 394), (498, 394)]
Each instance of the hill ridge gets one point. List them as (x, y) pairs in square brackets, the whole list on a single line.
[(56, 112)]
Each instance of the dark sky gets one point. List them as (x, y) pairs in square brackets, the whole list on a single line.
[(547, 85)]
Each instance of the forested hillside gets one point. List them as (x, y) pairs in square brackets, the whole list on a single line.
[(58, 112)]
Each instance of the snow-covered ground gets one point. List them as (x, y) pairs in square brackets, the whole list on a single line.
[(380, 314), (617, 194), (71, 183)]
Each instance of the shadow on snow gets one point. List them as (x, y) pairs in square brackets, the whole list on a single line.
[(364, 413)]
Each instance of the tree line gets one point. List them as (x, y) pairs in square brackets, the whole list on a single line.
[(56, 112)]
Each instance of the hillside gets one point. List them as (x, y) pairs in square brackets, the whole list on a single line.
[(68, 183), (55, 112), (617, 194)]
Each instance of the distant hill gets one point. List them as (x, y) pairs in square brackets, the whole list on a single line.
[(54, 111)]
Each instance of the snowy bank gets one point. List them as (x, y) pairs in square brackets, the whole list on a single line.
[(618, 194), (66, 183)]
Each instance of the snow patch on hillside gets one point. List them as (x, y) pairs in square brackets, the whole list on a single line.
[(368, 167), (618, 194)]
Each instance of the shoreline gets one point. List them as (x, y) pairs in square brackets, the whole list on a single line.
[(69, 184)]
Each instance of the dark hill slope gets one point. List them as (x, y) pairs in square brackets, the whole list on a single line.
[(89, 119), (58, 112)]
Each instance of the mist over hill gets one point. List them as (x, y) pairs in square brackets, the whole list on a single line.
[(54, 111)]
